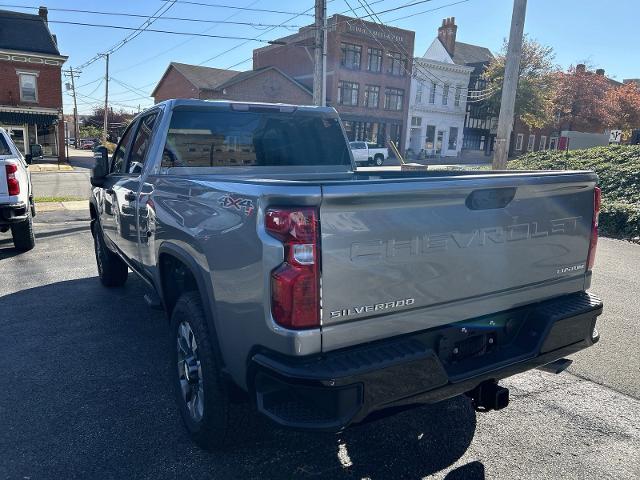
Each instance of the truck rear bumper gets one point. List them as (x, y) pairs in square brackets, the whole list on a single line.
[(332, 390), (12, 213)]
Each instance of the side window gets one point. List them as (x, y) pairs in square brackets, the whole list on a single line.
[(141, 142), (120, 155)]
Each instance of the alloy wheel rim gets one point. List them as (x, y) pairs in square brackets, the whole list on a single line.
[(190, 372)]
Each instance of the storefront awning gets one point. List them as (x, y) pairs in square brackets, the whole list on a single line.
[(18, 118)]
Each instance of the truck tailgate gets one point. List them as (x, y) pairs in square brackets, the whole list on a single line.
[(391, 247)]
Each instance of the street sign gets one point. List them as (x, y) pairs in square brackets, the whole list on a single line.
[(615, 136)]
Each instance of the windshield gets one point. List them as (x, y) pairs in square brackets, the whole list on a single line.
[(205, 138)]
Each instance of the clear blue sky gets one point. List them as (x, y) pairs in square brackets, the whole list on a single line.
[(605, 34)]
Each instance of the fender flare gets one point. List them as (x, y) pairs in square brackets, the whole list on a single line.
[(205, 289)]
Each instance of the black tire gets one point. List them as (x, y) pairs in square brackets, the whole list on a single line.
[(217, 420), (378, 160), (112, 270), (24, 239)]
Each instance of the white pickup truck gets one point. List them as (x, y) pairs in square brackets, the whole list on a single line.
[(17, 208), (368, 153)]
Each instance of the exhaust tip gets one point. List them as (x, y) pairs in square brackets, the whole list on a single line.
[(556, 367)]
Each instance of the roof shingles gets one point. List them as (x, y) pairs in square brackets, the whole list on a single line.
[(204, 78), (26, 33), (465, 54)]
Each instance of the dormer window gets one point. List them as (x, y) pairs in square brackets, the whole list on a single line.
[(28, 86)]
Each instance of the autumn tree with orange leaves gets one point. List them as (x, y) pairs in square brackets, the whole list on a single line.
[(582, 101), (624, 102)]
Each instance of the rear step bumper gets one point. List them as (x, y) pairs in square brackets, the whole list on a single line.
[(332, 390), (12, 213)]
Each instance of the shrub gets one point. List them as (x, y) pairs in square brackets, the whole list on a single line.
[(618, 169)]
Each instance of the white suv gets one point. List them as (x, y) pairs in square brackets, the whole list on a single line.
[(17, 208)]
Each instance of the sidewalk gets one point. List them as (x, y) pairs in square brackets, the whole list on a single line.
[(49, 164), (55, 206)]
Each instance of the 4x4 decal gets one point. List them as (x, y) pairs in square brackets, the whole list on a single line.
[(244, 205)]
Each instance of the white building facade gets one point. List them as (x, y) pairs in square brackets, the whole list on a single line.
[(437, 105)]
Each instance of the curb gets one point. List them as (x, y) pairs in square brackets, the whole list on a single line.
[(57, 206), (46, 168)]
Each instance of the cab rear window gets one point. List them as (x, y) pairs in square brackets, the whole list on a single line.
[(4, 147), (205, 138)]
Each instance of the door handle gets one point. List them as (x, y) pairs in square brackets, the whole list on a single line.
[(130, 196), (109, 191)]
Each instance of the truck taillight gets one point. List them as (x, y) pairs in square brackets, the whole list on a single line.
[(597, 200), (12, 182), (295, 284)]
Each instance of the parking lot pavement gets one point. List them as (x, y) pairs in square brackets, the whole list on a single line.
[(85, 394)]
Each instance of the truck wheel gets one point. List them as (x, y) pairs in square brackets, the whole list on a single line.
[(23, 237), (378, 160), (112, 270), (202, 395)]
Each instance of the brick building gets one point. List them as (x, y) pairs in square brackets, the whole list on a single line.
[(31, 82), (368, 74), (267, 84), (526, 139)]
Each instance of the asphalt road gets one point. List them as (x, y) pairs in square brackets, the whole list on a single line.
[(66, 184), (85, 392)]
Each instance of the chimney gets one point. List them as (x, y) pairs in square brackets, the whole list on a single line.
[(581, 68), (43, 13), (600, 71), (447, 34)]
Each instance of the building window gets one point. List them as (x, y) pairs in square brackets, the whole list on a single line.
[(456, 101), (531, 143), (553, 143), (519, 140), (374, 61), (371, 96), (419, 93), (543, 142), (416, 121), (430, 139), (348, 93), (445, 94), (453, 138), (351, 56), (28, 87), (432, 93), (398, 64), (393, 99)]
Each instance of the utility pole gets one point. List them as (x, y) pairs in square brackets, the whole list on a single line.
[(320, 58), (76, 129), (75, 110), (509, 85), (106, 99)]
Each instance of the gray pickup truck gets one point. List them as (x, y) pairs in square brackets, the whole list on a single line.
[(323, 294)]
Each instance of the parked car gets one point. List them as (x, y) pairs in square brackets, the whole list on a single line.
[(434, 284), (368, 153), (17, 208), (88, 144), (71, 141)]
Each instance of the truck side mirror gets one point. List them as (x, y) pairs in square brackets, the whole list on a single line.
[(36, 150), (100, 169), (28, 158)]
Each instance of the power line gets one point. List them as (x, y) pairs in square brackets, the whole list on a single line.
[(170, 32), (137, 15), (146, 24), (217, 5)]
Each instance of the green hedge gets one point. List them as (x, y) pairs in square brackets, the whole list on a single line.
[(618, 168)]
